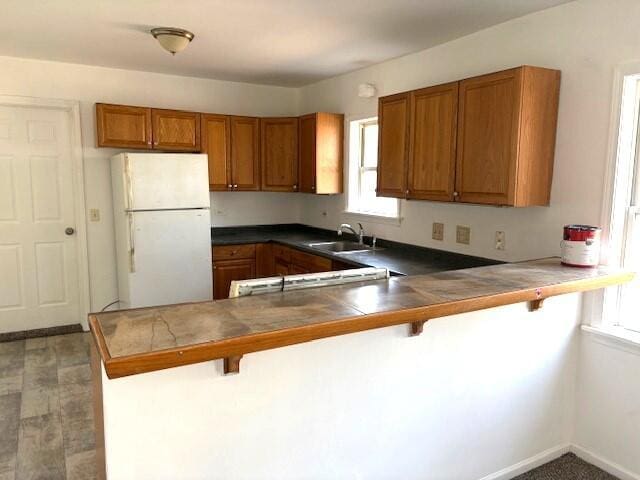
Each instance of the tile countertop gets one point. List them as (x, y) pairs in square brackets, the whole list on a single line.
[(399, 258), (148, 339)]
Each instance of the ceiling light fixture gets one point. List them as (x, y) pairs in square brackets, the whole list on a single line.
[(366, 90), (173, 40)]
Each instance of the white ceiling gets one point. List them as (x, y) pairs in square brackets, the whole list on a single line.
[(279, 42)]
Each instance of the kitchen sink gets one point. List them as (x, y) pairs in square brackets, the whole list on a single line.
[(342, 247)]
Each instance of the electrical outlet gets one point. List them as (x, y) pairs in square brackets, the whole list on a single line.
[(94, 215), (437, 231), (463, 234), (500, 240)]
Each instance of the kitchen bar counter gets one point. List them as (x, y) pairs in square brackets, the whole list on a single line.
[(155, 338), (399, 258)]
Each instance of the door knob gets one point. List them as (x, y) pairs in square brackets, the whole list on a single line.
[(69, 231)]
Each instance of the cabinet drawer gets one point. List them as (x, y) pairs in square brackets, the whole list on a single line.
[(282, 253), (310, 262), (231, 252)]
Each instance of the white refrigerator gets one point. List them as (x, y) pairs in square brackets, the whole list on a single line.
[(163, 228)]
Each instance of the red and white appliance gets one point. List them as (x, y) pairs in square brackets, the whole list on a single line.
[(581, 245)]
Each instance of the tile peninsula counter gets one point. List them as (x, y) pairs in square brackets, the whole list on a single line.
[(147, 339), (165, 354)]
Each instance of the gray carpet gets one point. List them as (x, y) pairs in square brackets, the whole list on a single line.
[(567, 467)]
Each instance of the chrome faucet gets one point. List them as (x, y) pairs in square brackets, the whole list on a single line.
[(360, 234)]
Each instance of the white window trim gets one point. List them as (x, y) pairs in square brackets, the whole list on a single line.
[(599, 306), (351, 152)]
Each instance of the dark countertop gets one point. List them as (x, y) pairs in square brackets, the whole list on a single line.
[(147, 339), (399, 258)]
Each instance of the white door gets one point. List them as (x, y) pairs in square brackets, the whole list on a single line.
[(38, 260)]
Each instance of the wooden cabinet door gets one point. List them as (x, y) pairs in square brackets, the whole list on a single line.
[(393, 123), (281, 269), (121, 126), (245, 153), (279, 140), (432, 143), (307, 173), (216, 143), (175, 131), (297, 270), (265, 264), (225, 271), (488, 122)]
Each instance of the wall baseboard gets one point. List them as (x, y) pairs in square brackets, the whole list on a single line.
[(40, 332), (529, 463), (606, 465), (557, 451)]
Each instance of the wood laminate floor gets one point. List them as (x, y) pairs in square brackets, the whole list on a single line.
[(46, 409)]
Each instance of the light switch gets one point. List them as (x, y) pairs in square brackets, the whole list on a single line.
[(94, 215)]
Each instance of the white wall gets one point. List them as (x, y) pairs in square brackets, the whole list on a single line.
[(607, 402), (254, 208), (473, 394), (89, 85), (585, 40)]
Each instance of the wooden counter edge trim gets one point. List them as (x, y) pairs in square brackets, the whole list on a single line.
[(98, 339), (237, 346), (98, 411)]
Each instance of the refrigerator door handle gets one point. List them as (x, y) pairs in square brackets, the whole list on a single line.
[(128, 182), (132, 245)]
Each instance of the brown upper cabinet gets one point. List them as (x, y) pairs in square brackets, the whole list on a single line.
[(232, 146), (279, 141), (432, 143), (321, 153), (506, 137), (245, 153), (393, 145), (283, 154), (175, 131), (216, 143), (122, 126), (488, 139)]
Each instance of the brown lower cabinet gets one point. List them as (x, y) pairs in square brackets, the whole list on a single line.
[(226, 271), (243, 262)]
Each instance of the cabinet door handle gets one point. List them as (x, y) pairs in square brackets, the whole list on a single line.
[(235, 186), (229, 186), (456, 194)]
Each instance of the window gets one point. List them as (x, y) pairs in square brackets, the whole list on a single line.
[(363, 175), (622, 304)]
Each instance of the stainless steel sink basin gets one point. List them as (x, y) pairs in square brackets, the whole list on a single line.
[(341, 247)]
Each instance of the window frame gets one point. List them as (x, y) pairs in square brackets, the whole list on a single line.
[(621, 209), (356, 169)]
